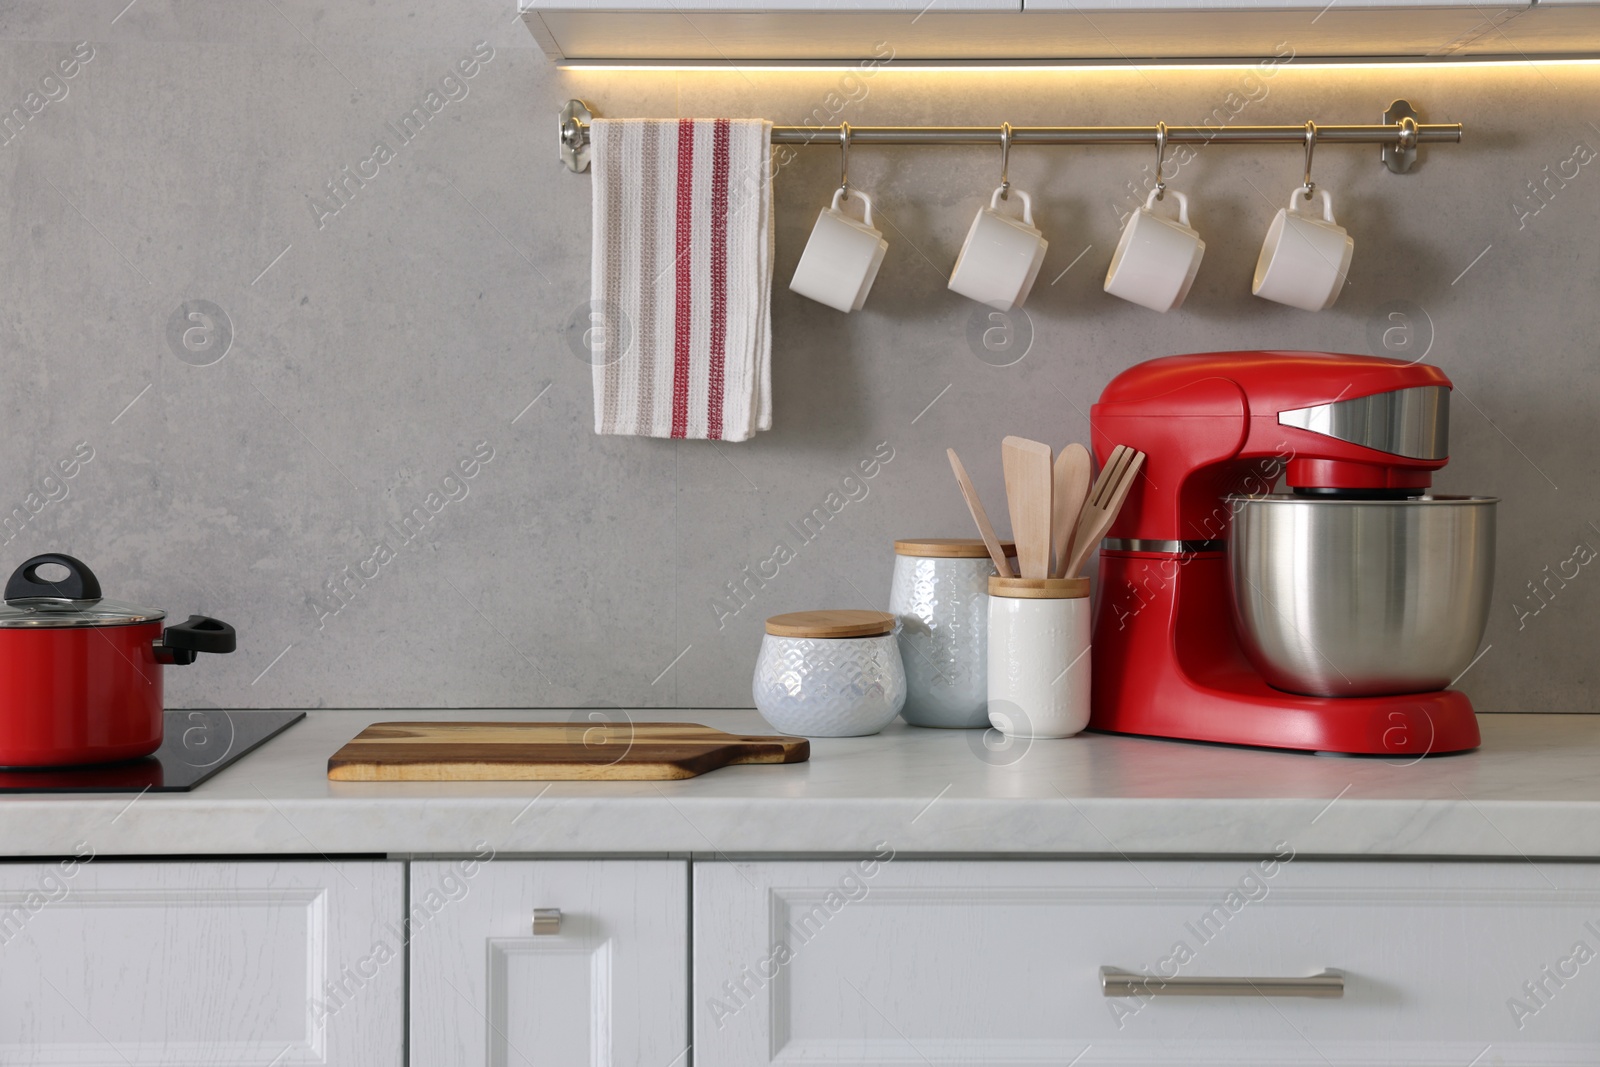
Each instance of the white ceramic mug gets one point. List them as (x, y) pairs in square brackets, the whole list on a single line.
[(1305, 259), (1001, 256), (842, 257), (1156, 260), (1039, 656)]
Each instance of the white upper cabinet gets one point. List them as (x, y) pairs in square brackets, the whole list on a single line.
[(1287, 30), (876, 32), (723, 31)]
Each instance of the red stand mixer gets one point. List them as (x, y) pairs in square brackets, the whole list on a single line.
[(1332, 617)]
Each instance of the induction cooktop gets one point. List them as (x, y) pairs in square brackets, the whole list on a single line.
[(195, 744)]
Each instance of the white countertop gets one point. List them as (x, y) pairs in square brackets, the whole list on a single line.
[(1532, 790)]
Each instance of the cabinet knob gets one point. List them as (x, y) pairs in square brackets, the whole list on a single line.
[(546, 920), (1120, 983)]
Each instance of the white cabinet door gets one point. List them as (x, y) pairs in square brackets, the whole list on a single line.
[(999, 963), (610, 989), (202, 964)]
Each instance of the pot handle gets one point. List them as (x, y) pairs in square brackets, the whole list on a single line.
[(197, 633), (79, 584)]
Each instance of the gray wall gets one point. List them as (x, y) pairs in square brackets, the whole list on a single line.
[(369, 356)]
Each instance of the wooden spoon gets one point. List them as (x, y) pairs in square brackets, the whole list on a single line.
[(979, 516), (1101, 510), (1071, 488), (1028, 492)]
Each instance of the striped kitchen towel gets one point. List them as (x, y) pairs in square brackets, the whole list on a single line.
[(681, 280)]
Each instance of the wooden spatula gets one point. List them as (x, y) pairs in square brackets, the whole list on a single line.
[(1105, 500), (985, 529), (1028, 493), (1066, 502)]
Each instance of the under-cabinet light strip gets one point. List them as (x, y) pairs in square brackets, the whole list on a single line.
[(960, 66)]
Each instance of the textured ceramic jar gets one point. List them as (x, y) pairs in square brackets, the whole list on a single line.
[(1038, 656), (830, 673), (941, 597)]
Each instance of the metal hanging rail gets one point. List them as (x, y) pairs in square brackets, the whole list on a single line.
[(1399, 135)]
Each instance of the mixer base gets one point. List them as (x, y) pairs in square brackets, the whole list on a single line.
[(1417, 724), (1167, 664)]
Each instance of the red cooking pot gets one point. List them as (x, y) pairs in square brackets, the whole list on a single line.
[(80, 677)]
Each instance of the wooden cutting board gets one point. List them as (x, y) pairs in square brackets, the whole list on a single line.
[(549, 751)]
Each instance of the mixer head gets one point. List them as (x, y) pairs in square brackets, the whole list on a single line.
[(1412, 422), (1342, 426)]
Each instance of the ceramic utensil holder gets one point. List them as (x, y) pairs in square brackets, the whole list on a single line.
[(1039, 656)]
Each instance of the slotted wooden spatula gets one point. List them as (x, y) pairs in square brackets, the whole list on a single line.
[(1028, 492), (1105, 501)]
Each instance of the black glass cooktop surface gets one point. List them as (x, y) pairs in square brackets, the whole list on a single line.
[(195, 744)]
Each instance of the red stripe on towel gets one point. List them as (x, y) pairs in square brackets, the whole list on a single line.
[(680, 343), (719, 277)]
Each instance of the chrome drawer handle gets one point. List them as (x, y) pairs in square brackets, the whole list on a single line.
[(546, 920), (1115, 982)]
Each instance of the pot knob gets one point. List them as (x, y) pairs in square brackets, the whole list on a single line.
[(79, 584)]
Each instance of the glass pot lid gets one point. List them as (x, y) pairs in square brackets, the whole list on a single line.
[(57, 601)]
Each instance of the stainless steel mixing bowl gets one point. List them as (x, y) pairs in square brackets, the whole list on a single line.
[(1361, 597)]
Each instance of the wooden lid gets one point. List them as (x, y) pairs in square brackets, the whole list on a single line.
[(847, 622), (948, 548), (1039, 588)]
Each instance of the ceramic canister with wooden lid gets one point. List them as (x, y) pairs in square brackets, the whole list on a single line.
[(941, 597), (830, 673), (1039, 656)]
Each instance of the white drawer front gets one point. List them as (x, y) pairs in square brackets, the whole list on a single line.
[(609, 990), (901, 962), (200, 964)]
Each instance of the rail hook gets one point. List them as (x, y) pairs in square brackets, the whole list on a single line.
[(1005, 161), (1161, 159), (844, 161), (1408, 133), (1311, 146)]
